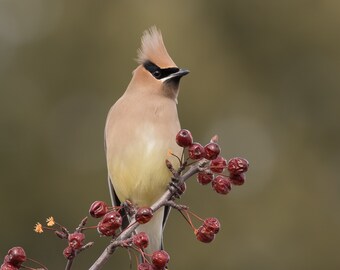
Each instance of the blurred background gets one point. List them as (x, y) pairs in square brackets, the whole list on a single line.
[(264, 77)]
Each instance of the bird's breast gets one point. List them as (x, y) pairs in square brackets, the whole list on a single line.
[(136, 162)]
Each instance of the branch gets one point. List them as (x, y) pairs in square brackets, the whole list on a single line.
[(163, 200), (205, 161)]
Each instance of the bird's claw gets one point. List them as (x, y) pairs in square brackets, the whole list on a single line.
[(177, 191), (129, 208)]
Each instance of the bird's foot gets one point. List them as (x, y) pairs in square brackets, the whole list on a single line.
[(129, 208), (176, 189)]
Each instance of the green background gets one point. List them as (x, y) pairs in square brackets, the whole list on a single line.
[(264, 77)]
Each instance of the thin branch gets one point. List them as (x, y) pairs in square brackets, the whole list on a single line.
[(39, 263), (69, 264)]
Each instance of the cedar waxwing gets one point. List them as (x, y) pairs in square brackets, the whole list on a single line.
[(140, 130)]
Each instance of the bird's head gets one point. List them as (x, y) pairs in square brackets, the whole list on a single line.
[(157, 73)]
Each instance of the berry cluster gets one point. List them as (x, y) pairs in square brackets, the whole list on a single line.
[(75, 242), (195, 150), (212, 168), (207, 231), (213, 172), (112, 221)]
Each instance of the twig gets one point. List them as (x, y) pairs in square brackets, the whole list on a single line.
[(81, 225), (69, 264), (39, 263)]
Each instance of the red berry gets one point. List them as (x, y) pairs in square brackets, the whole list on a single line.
[(218, 165), (8, 266), (196, 151), (145, 266), (16, 256), (75, 240), (212, 150), (212, 224), (221, 184), (105, 229), (98, 209), (238, 165), (6, 260), (69, 253), (160, 258), (113, 219), (143, 215), (204, 178), (141, 240), (237, 179), (110, 223), (184, 138), (204, 235)]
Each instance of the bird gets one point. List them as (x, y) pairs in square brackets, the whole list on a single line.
[(140, 134)]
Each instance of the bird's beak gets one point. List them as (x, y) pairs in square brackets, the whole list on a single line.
[(179, 74)]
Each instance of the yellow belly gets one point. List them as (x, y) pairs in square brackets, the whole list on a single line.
[(138, 173)]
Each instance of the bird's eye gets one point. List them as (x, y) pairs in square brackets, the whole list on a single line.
[(156, 74)]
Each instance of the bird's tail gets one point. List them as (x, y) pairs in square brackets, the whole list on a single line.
[(154, 229)]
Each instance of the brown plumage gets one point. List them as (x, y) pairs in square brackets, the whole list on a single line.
[(140, 130)]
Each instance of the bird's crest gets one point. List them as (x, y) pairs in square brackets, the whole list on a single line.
[(153, 49)]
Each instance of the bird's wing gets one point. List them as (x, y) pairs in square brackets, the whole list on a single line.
[(114, 199), (165, 219)]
